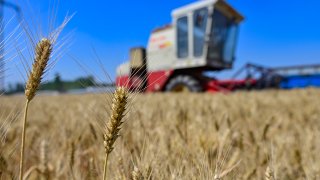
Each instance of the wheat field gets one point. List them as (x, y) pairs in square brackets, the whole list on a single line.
[(244, 135)]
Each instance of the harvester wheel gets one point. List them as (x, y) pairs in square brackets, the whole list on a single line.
[(183, 83)]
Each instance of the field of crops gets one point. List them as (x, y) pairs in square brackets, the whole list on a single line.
[(243, 135)]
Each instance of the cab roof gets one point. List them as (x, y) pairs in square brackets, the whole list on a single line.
[(220, 4)]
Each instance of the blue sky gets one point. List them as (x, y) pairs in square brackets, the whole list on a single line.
[(274, 32)]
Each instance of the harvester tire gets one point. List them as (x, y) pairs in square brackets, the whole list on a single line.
[(183, 83)]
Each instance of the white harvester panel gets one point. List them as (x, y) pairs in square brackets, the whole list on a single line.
[(160, 50), (123, 69)]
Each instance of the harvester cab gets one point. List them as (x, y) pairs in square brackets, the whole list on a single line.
[(206, 35), (202, 37)]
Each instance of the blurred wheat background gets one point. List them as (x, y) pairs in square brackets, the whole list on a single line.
[(242, 135)]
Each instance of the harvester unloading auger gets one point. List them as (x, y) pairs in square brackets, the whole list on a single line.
[(202, 38)]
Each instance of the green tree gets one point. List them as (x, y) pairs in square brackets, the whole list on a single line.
[(58, 84)]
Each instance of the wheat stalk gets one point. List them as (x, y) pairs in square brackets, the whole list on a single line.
[(119, 103), (225, 172), (42, 54), (71, 157)]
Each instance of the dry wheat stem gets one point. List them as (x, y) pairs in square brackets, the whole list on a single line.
[(105, 166), (30, 171), (23, 137), (119, 103)]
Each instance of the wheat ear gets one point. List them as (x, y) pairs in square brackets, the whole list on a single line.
[(269, 174), (136, 174), (42, 54), (119, 103), (44, 160)]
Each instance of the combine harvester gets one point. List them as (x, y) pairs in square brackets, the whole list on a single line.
[(202, 38)]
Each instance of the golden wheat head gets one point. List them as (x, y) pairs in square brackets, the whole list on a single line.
[(136, 174), (269, 174), (119, 103), (42, 54)]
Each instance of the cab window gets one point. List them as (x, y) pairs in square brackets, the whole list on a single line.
[(199, 30), (182, 35)]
